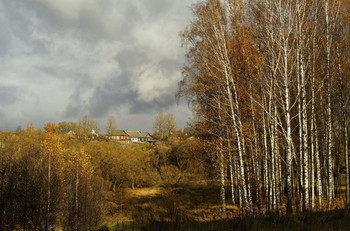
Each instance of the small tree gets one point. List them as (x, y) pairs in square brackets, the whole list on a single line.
[(110, 125), (30, 127), (86, 127), (164, 126)]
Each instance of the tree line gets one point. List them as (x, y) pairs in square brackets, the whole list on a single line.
[(268, 81)]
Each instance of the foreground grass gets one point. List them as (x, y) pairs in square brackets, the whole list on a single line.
[(195, 207), (323, 221)]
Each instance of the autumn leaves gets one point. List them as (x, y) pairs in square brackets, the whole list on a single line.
[(268, 84)]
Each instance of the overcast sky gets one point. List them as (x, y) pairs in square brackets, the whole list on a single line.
[(63, 59)]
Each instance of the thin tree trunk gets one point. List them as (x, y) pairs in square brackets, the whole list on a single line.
[(317, 153), (265, 163), (300, 122), (312, 155), (347, 163), (273, 166), (48, 195), (231, 166), (222, 168), (329, 110), (277, 162), (255, 159), (232, 178), (288, 135), (305, 136), (222, 179), (76, 189)]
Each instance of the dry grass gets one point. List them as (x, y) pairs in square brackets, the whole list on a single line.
[(196, 207), (173, 203), (138, 193)]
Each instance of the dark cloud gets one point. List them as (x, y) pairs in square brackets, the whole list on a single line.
[(7, 98), (156, 105), (8, 95), (5, 39)]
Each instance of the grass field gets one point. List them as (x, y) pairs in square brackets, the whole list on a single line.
[(196, 207)]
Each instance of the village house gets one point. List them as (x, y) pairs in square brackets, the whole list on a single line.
[(120, 136), (139, 137), (126, 137)]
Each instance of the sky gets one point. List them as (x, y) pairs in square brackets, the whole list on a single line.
[(61, 60)]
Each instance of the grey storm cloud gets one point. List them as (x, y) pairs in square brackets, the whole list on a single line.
[(7, 95), (61, 60)]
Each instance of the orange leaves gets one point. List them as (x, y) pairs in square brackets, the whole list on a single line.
[(50, 127), (249, 132), (245, 56)]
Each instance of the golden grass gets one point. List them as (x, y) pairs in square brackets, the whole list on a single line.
[(143, 192), (197, 204)]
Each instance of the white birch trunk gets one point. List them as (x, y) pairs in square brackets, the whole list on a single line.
[(222, 179), (230, 166), (265, 163), (329, 110), (305, 135)]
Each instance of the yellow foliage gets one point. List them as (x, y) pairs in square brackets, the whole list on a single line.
[(50, 127)]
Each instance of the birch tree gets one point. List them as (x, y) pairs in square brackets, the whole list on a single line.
[(52, 151), (284, 55)]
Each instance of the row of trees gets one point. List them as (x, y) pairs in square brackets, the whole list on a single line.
[(85, 127), (163, 128), (269, 84)]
